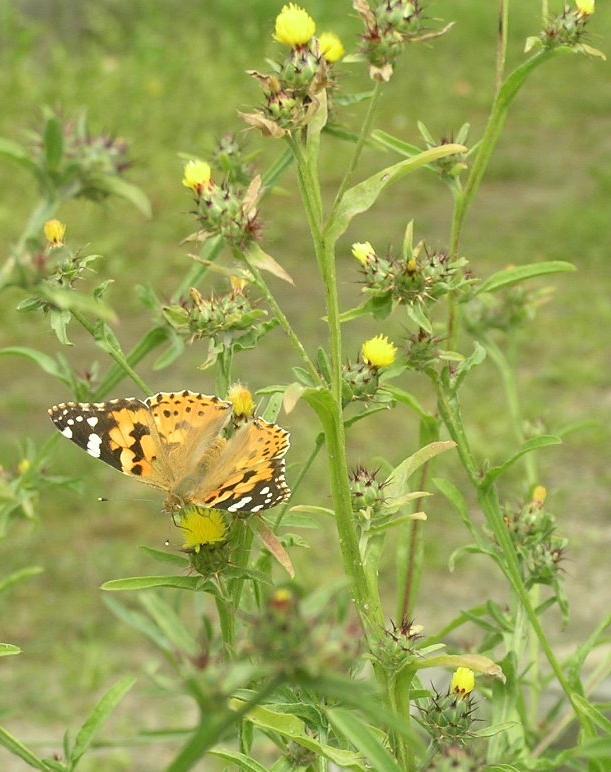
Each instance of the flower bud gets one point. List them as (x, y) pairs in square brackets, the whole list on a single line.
[(55, 231)]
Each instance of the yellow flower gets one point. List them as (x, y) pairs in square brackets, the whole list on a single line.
[(238, 284), (331, 47), (379, 351), (197, 175), (363, 251), (242, 401), (54, 233), (463, 681), (539, 495), (203, 527), (24, 466), (294, 26), (586, 7)]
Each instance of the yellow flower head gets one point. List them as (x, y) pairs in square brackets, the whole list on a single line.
[(331, 47), (379, 352), (24, 465), (363, 251), (463, 682), (203, 527), (539, 495), (294, 26), (585, 7), (238, 284), (197, 175), (54, 233), (242, 401)]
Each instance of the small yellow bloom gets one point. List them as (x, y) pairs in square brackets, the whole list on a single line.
[(539, 495), (586, 7), (197, 175), (54, 233), (24, 466), (379, 351), (463, 681), (238, 284), (242, 401), (363, 251), (203, 527), (294, 26), (331, 47)]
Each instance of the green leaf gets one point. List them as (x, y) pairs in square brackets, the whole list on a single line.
[(387, 141), (7, 649), (99, 716), (53, 143), (17, 748), (294, 728), (272, 543), (241, 760), (16, 152), (455, 497), (362, 737), (543, 441), (415, 311), (362, 196), (406, 398), (590, 711), (476, 662), (398, 478), (19, 576), (44, 361), (494, 729), (67, 300), (266, 262), (119, 187), (139, 622), (511, 276), (171, 625), (272, 409), (165, 557), (149, 582), (59, 321)]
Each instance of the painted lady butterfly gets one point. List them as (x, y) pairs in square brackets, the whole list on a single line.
[(176, 442)]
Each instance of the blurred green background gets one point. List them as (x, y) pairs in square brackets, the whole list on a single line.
[(170, 77)]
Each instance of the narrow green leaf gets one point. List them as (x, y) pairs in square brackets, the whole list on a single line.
[(19, 576), (148, 582), (119, 187), (99, 716), (7, 649), (398, 478), (16, 152), (362, 737), (241, 760), (67, 299), (494, 729), (17, 748), (415, 311), (511, 276), (171, 625), (590, 710), (543, 441), (266, 262), (362, 196), (406, 398), (389, 142), (139, 622), (272, 543), (455, 497), (44, 361), (165, 557)]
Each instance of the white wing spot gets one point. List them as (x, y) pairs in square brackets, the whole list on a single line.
[(71, 422), (92, 421), (257, 508), (93, 445), (67, 432), (265, 490), (239, 504), (79, 418)]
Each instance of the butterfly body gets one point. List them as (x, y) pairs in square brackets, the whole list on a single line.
[(181, 443)]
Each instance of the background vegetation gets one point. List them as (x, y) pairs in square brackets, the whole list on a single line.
[(168, 77)]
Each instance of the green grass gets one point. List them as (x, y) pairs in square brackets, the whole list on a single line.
[(170, 78)]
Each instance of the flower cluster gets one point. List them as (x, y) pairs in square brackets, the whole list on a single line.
[(567, 29), (449, 717), (361, 379), (388, 27), (225, 210), (418, 277), (505, 310), (291, 89), (540, 549)]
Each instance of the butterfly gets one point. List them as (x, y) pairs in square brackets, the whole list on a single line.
[(176, 442)]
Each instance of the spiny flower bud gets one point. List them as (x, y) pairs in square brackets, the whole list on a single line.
[(55, 232), (366, 490), (449, 717), (294, 26), (379, 352)]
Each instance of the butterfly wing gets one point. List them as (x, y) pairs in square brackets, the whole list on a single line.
[(246, 473), (120, 432)]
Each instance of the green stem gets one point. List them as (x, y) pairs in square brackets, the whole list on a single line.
[(501, 53), (280, 315), (360, 144), (118, 356)]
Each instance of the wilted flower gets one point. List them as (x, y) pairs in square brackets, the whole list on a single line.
[(379, 352), (294, 26), (331, 47), (463, 682), (55, 232), (241, 400)]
